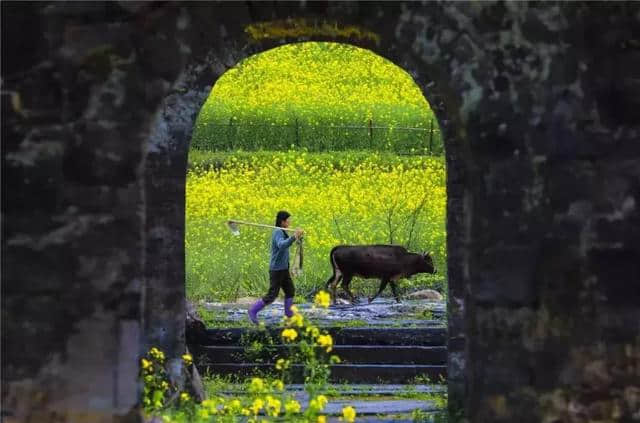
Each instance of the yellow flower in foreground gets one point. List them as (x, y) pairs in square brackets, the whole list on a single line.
[(256, 385), (187, 358), (349, 414), (318, 403), (257, 405), (313, 331), (282, 364), (321, 419), (273, 406), (233, 407), (277, 385), (146, 364), (184, 397), (296, 320), (294, 309), (156, 354), (210, 404), (322, 400), (289, 334), (326, 341), (292, 406), (322, 299)]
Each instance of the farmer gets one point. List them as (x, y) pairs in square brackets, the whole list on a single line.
[(279, 276)]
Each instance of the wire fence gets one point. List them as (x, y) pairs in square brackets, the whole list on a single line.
[(235, 135)]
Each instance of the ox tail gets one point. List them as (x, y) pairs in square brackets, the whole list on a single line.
[(332, 260)]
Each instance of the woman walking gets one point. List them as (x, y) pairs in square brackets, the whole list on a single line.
[(279, 276)]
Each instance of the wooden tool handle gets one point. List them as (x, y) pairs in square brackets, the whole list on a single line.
[(261, 225)]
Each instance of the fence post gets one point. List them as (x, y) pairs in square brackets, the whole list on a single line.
[(370, 133), (431, 138)]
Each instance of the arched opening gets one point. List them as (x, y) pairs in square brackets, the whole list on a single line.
[(336, 134), (169, 148), (346, 141)]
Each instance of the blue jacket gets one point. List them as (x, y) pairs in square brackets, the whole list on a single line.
[(280, 250)]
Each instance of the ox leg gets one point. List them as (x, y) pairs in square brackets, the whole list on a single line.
[(345, 285), (334, 289), (383, 285), (331, 279), (394, 288), (332, 284)]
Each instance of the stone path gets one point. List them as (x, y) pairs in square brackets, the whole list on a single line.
[(358, 389), (383, 404), (334, 407), (379, 313)]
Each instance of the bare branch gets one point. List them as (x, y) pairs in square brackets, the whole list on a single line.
[(390, 212), (414, 218)]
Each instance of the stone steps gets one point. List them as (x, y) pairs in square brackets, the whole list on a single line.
[(368, 354), (373, 402), (427, 417), (375, 408), (354, 354), (346, 390), (383, 349), (377, 373), (351, 373), (429, 336)]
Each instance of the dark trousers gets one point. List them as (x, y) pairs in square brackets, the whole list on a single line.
[(279, 279)]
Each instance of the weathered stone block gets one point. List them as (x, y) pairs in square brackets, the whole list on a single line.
[(505, 276), (617, 273)]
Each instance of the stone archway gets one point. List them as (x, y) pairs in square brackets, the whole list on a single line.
[(539, 106), (171, 135)]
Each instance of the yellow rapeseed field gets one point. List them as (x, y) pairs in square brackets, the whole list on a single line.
[(318, 95), (338, 198)]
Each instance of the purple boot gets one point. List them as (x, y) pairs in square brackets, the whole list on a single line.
[(288, 302), (255, 308)]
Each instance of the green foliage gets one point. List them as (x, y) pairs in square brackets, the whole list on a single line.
[(158, 391), (261, 399), (219, 319), (320, 96)]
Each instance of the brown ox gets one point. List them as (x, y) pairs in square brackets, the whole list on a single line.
[(385, 262)]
